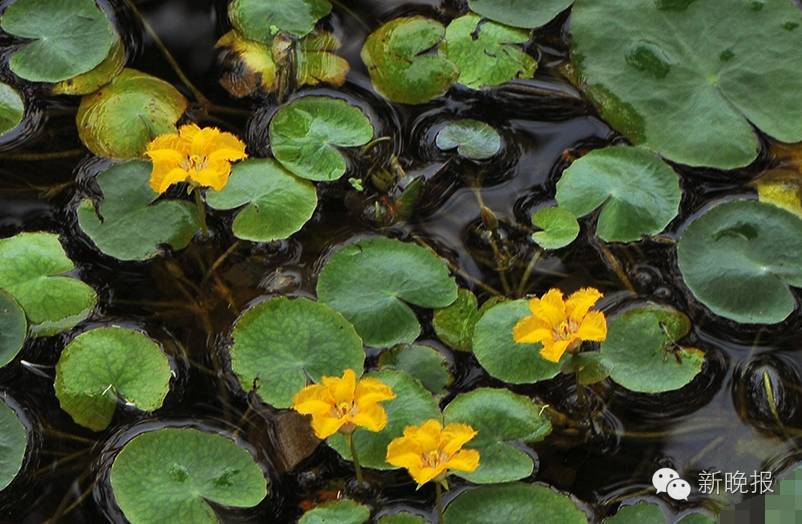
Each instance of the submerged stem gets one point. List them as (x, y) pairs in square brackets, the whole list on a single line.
[(201, 212), (349, 439)]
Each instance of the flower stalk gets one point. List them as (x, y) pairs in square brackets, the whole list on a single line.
[(201, 207), (349, 439)]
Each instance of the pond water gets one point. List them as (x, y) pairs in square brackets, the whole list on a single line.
[(724, 420)]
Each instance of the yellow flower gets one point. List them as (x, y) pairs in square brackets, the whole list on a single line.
[(561, 325), (343, 404), (429, 451), (200, 156)]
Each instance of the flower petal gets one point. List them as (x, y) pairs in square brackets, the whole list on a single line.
[(550, 307), (466, 460), (370, 391), (580, 302), (214, 176), (342, 389), (312, 399), (554, 351), (161, 179), (455, 436), (593, 327), (530, 330), (372, 418), (326, 425)]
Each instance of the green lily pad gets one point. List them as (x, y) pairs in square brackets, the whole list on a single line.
[(13, 328), (697, 518), (399, 64), (280, 344), (101, 75), (526, 14), (502, 420), (689, 80), (261, 21), (372, 281), (559, 227), (638, 193), (472, 139), (413, 404), (454, 324), (514, 503), (12, 108), (487, 53), (403, 518), (105, 366), (422, 362), (66, 38), (277, 203), (305, 134), (639, 513), (337, 512), (740, 258), (13, 444), (32, 271), (172, 474), (126, 224), (119, 120), (498, 353), (641, 351), (589, 367)]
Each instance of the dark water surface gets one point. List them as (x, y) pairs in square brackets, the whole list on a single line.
[(721, 421)]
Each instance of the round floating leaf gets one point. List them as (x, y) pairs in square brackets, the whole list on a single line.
[(126, 224), (739, 259), (337, 512), (277, 203), (472, 139), (280, 344), (12, 108), (498, 353), (412, 405), (371, 282), (781, 187), (589, 367), (454, 324), (68, 37), (403, 518), (119, 120), (559, 227), (639, 513), (261, 21), (399, 65), (693, 92), (641, 352), (101, 75), (13, 444), (13, 328), (697, 518), (105, 366), (502, 420), (639, 193), (171, 475), (520, 13), (32, 268), (486, 53), (514, 503), (421, 362), (305, 134)]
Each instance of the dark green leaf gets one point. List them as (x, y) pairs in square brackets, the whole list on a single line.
[(514, 503), (13, 328), (472, 139), (455, 324), (12, 108), (421, 362), (520, 13), (639, 513), (337, 512), (260, 20), (13, 444)]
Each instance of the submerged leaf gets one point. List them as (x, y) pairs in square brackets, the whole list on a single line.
[(527, 14), (126, 224), (13, 328), (261, 21), (13, 444), (338, 511), (399, 66), (487, 53), (173, 474), (12, 108), (473, 139), (559, 226), (515, 502), (101, 75)]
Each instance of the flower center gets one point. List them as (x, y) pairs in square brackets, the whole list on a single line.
[(434, 458), (565, 330), (344, 409), (194, 163)]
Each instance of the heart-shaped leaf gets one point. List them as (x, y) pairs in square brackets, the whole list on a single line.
[(740, 258), (498, 353), (33, 269), (502, 420), (638, 193), (638, 513), (101, 75), (412, 405), (472, 139), (305, 134), (126, 224), (13, 328), (12, 108), (172, 474), (339, 511), (487, 53), (454, 324), (105, 366), (278, 204), (421, 362), (641, 352), (398, 63), (520, 13), (261, 21), (119, 120), (13, 444), (514, 502), (559, 227), (372, 281), (67, 38), (689, 80), (280, 344)]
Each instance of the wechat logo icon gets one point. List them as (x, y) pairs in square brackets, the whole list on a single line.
[(666, 480)]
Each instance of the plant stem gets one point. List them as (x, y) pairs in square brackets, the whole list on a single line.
[(201, 212), (349, 439), (438, 489), (528, 273)]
